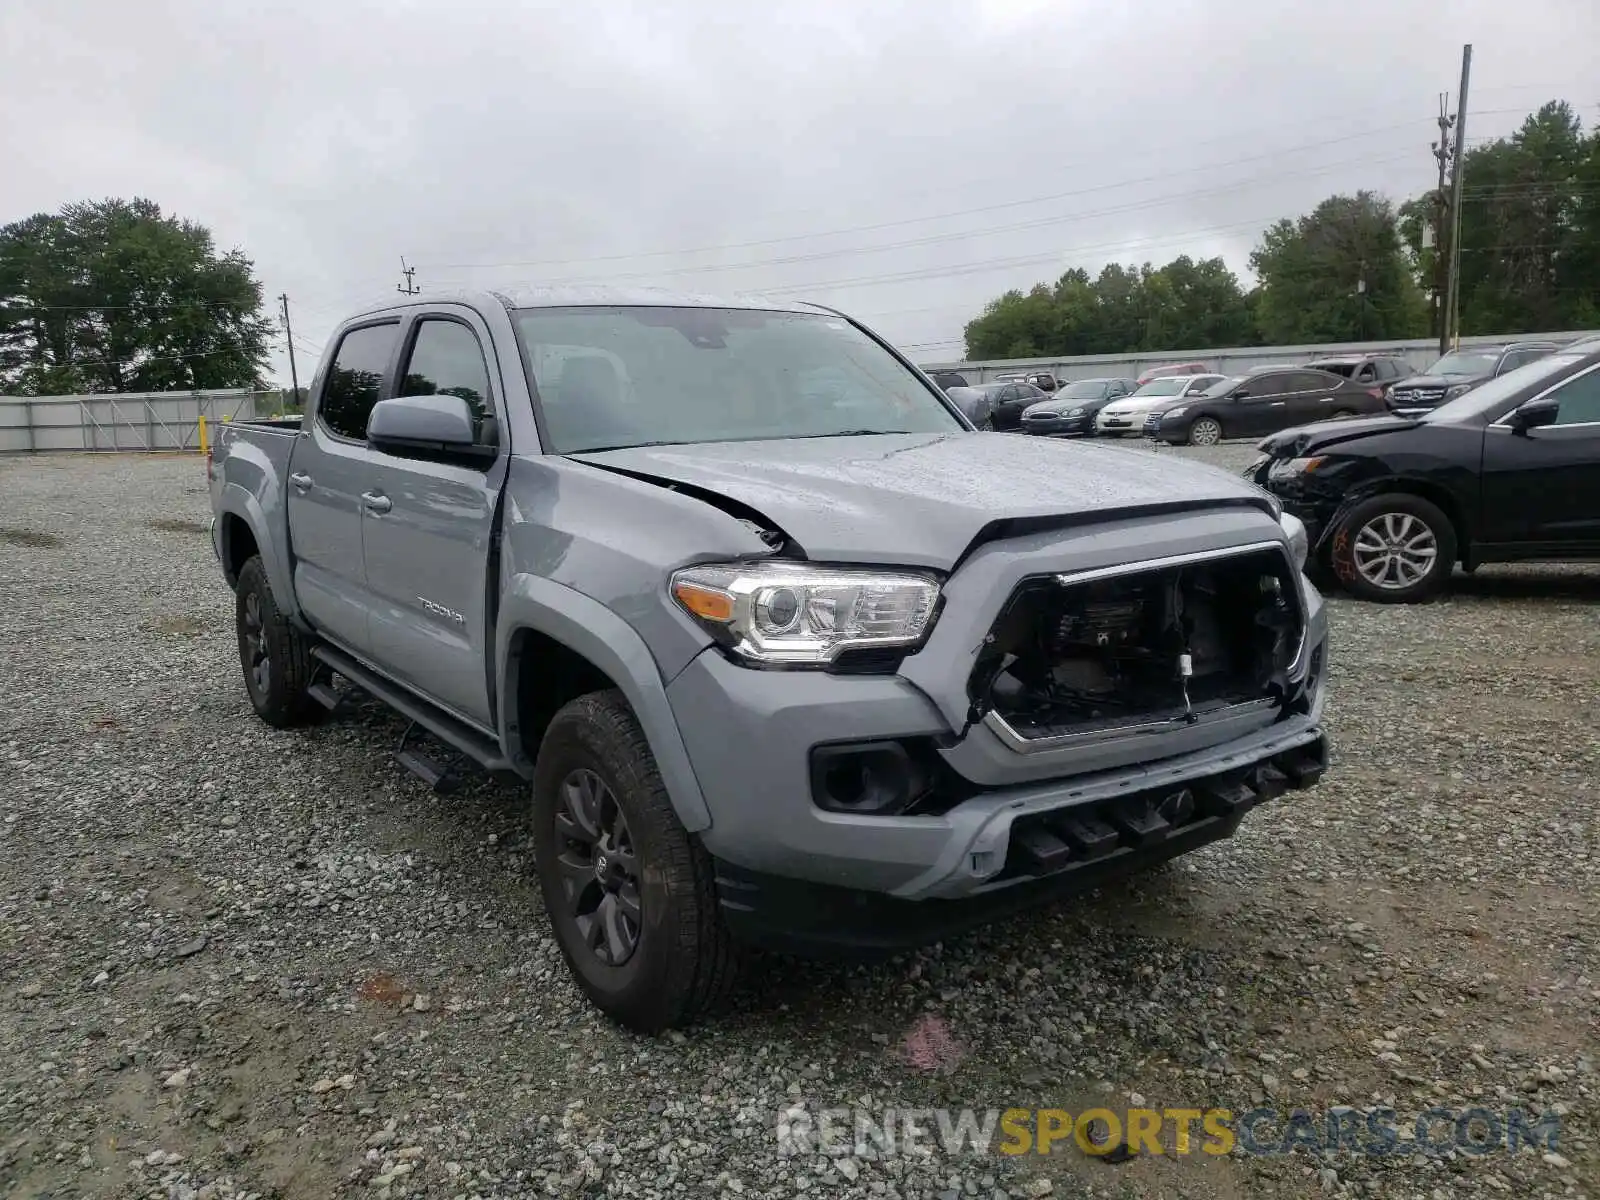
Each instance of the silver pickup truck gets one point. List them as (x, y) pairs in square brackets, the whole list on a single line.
[(790, 655)]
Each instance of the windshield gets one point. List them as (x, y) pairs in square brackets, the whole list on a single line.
[(611, 377), (1461, 362), (1084, 389), (1172, 385), (1486, 397), (1223, 386)]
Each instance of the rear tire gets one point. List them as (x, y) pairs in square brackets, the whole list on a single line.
[(1341, 413), (274, 655), (630, 895), (1395, 548)]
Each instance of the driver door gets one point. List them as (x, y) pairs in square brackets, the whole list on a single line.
[(1541, 487)]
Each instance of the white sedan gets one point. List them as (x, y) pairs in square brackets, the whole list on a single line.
[(1127, 415)]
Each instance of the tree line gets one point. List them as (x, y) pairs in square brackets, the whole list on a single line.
[(1355, 268), (115, 296)]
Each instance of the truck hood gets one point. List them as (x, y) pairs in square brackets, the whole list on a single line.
[(1308, 439), (924, 499)]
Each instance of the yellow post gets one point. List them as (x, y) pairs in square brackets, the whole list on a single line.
[(205, 446)]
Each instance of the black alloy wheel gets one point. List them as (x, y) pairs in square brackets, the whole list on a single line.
[(599, 868)]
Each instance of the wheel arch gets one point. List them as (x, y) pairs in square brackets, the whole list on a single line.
[(1440, 497), (560, 644), (242, 530)]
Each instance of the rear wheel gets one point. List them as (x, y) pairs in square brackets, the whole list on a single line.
[(1206, 431), (1394, 549), (629, 893), (1341, 413), (275, 656)]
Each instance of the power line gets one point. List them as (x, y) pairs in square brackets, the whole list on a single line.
[(960, 235), (996, 207)]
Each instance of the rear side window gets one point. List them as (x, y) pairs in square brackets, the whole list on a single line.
[(1310, 381), (446, 360), (356, 380), (1339, 368)]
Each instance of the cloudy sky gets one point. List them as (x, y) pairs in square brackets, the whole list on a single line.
[(906, 161)]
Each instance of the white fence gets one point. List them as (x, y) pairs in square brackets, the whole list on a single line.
[(152, 422), (1229, 361)]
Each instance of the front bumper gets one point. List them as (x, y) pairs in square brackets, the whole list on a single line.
[(1054, 853), (1130, 423), (750, 735), (1053, 426)]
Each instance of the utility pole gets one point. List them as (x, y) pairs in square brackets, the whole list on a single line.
[(409, 288), (1441, 206), (288, 336), (1449, 327)]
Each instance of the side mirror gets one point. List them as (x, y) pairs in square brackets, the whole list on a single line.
[(423, 424), (1534, 414), (1241, 394)]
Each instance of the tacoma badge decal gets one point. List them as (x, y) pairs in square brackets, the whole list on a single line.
[(440, 610)]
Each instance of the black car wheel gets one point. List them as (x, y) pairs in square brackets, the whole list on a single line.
[(629, 893), (1205, 431), (1394, 549), (275, 656)]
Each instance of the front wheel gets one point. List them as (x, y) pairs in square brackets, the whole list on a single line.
[(630, 895), (1394, 549), (1206, 431)]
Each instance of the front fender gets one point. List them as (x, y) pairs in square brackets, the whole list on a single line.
[(587, 627)]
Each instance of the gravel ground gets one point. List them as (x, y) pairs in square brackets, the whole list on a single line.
[(236, 962)]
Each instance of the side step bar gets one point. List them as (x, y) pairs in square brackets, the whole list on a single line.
[(457, 735)]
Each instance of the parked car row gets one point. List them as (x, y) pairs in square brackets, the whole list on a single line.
[(1186, 403)]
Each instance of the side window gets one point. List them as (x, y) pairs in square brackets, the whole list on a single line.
[(1309, 381), (1266, 385), (446, 360), (356, 380), (1366, 373), (1580, 400)]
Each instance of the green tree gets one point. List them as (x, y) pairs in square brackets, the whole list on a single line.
[(1339, 273), (1124, 309), (1522, 228), (112, 296)]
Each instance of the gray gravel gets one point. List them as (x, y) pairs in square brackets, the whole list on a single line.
[(236, 962)]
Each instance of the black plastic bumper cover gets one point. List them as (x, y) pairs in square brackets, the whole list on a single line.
[(1053, 855)]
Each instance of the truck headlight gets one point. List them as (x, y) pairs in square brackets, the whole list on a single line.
[(1299, 541), (786, 613)]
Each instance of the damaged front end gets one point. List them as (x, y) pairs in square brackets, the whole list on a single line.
[(1141, 649)]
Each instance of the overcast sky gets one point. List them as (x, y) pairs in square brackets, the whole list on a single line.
[(905, 161)]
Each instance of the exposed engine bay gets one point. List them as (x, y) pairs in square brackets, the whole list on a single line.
[(1170, 644)]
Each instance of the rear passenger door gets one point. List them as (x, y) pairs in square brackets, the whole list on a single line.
[(1308, 396), (429, 521), (328, 473)]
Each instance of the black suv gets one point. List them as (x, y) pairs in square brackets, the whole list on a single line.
[(1380, 369), (1461, 371)]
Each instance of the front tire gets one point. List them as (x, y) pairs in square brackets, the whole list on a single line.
[(275, 656), (630, 895), (1205, 431), (1394, 549)]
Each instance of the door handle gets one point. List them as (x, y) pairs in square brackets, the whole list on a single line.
[(301, 481), (377, 502), (1279, 403)]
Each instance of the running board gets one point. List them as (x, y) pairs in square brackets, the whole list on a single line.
[(456, 734)]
